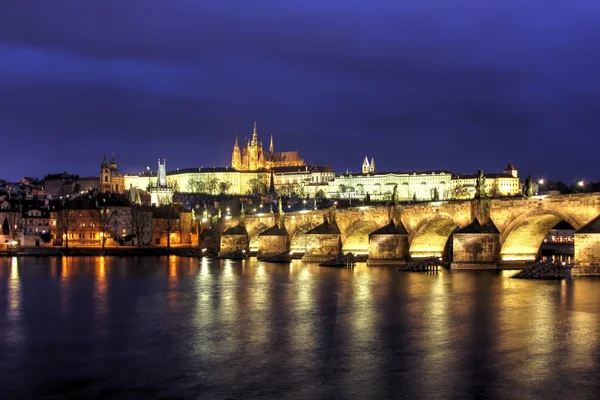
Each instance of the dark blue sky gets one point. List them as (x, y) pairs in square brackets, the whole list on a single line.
[(421, 84)]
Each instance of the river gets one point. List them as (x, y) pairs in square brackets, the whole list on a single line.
[(168, 327)]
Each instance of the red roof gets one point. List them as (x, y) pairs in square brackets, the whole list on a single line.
[(510, 167)]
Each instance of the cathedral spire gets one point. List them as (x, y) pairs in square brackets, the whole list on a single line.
[(255, 135), (365, 166), (236, 145), (271, 147)]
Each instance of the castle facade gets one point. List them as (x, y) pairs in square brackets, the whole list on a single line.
[(251, 156)]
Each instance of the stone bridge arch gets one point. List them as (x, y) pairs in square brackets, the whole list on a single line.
[(355, 239), (256, 230), (523, 236), (431, 237)]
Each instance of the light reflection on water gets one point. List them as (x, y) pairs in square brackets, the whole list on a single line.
[(165, 326)]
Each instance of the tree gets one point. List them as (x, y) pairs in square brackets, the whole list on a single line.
[(167, 218), (224, 187), (196, 185), (257, 186), (435, 194), (462, 192), (207, 183), (173, 184), (15, 223), (104, 218), (66, 221), (5, 227), (141, 222)]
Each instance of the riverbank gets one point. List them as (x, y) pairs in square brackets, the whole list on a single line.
[(183, 251)]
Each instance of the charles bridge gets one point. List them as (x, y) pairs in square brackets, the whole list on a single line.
[(470, 234)]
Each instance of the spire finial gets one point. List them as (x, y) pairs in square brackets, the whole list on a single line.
[(236, 142), (254, 136), (271, 147)]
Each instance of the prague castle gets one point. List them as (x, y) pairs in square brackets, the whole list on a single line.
[(252, 157)]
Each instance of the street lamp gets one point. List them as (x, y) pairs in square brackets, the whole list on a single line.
[(580, 183), (541, 181)]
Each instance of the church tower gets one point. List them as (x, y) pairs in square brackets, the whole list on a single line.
[(511, 170), (372, 166), (271, 147), (236, 156), (365, 166), (105, 176), (255, 152)]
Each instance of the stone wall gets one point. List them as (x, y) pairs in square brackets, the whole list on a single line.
[(387, 248), (475, 250), (587, 254), (322, 247), (231, 243), (272, 245), (522, 223)]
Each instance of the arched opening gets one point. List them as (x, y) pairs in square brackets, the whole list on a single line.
[(430, 240), (299, 241), (254, 237), (523, 238), (559, 243), (356, 239)]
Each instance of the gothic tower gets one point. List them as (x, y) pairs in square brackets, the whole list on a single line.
[(255, 151), (365, 166), (236, 156), (511, 170), (372, 166)]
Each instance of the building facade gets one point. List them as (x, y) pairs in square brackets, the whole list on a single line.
[(251, 157)]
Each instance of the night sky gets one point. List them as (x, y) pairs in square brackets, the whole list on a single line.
[(423, 84)]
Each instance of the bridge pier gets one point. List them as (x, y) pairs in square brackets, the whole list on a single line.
[(234, 239), (587, 249), (388, 245), (323, 242), (273, 241), (476, 246)]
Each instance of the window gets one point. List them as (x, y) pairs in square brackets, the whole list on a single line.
[(106, 179)]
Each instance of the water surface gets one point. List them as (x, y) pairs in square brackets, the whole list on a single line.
[(128, 328)]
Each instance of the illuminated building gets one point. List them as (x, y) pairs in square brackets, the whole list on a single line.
[(251, 156), (111, 179)]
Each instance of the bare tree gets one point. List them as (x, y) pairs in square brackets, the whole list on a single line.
[(212, 184), (257, 186), (224, 186), (66, 221), (103, 217), (167, 218), (15, 223), (207, 183), (141, 222), (173, 184), (196, 185)]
